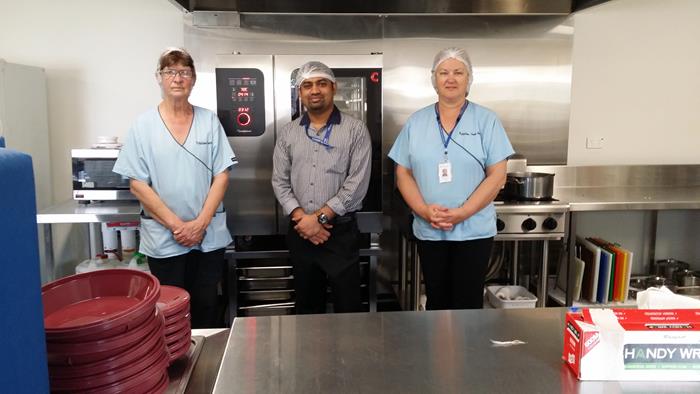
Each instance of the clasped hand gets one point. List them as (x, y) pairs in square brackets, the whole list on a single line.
[(443, 218), (190, 233), (309, 228)]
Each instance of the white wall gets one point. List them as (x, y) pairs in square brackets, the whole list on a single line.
[(636, 83), (99, 57)]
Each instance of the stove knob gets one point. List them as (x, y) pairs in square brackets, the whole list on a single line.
[(529, 224), (500, 225), (550, 224)]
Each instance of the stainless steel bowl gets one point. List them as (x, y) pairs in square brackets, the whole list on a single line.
[(656, 281), (639, 282)]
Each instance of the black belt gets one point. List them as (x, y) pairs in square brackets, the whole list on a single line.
[(347, 218)]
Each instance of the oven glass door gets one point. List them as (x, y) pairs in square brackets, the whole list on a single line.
[(358, 94), (350, 97)]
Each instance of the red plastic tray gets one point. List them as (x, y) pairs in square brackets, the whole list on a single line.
[(88, 305), (178, 325), (185, 313), (161, 387), (174, 313), (113, 376), (180, 350), (178, 336), (139, 383), (137, 351), (173, 299), (77, 353)]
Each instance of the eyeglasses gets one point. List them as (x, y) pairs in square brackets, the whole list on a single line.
[(170, 74)]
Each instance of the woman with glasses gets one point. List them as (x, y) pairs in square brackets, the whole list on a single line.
[(450, 164), (177, 157)]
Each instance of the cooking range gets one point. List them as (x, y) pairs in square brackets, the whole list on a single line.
[(518, 219), (531, 220)]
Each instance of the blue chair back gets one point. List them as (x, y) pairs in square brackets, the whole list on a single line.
[(24, 367)]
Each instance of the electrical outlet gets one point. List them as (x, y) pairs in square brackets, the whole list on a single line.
[(594, 142)]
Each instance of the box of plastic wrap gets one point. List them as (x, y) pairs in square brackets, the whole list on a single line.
[(633, 344)]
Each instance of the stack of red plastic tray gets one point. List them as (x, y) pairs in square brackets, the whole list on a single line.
[(174, 302), (104, 333)]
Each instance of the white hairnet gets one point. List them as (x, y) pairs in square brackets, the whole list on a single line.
[(314, 70), (452, 53)]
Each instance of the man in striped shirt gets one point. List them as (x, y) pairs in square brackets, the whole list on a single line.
[(321, 171)]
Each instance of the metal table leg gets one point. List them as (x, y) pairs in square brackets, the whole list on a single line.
[(542, 285), (48, 249), (96, 246), (515, 262), (415, 276), (232, 289), (402, 271), (372, 285), (571, 255), (372, 279)]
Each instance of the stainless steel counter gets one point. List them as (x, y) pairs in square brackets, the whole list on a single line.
[(529, 207), (408, 352), (607, 198), (207, 365), (72, 212), (91, 215)]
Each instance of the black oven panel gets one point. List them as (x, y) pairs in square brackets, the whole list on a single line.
[(240, 98)]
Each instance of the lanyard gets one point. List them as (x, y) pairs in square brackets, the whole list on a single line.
[(446, 142), (326, 137)]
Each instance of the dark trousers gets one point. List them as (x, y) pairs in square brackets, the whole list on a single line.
[(454, 272), (199, 273), (336, 262)]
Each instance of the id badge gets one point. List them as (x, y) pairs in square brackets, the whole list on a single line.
[(445, 172)]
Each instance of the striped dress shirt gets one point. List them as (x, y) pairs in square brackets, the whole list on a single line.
[(309, 175)]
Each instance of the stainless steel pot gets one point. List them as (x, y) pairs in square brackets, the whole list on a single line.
[(529, 185), (668, 267), (687, 278)]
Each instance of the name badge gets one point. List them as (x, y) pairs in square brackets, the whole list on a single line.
[(445, 172)]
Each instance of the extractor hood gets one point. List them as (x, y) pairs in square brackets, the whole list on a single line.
[(406, 7)]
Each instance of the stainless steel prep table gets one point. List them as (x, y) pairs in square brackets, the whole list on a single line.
[(408, 352), (629, 198), (90, 214)]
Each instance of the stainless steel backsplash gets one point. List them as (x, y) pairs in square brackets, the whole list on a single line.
[(522, 64), (623, 176)]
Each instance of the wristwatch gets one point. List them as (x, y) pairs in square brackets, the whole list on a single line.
[(322, 218)]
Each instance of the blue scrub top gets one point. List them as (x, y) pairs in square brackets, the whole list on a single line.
[(420, 148), (180, 175)]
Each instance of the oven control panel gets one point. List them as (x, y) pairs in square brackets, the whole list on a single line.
[(539, 223), (240, 100)]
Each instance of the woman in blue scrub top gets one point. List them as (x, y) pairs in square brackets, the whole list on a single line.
[(177, 157), (450, 164)]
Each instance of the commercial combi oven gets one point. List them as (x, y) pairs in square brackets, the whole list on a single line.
[(256, 97)]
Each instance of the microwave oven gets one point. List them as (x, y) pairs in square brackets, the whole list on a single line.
[(93, 179)]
